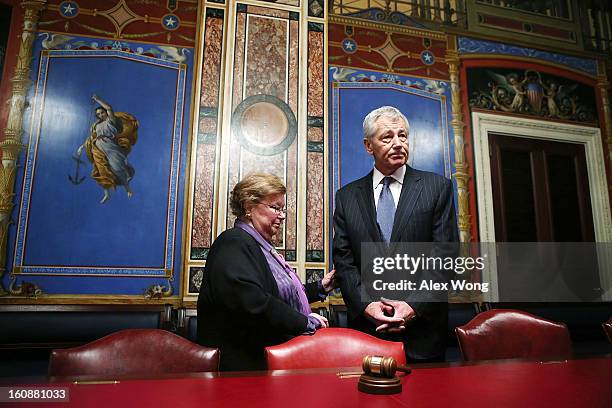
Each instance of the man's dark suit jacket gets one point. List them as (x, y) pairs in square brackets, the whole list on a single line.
[(425, 213), (239, 309)]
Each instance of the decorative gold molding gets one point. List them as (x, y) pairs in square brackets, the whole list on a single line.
[(11, 143), (379, 26), (461, 174), (523, 32), (603, 84), (92, 300), (475, 9)]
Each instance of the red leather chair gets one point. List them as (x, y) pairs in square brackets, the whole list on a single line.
[(607, 326), (331, 347), (509, 333), (134, 352)]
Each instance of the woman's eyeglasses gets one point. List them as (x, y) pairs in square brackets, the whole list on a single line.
[(276, 209)]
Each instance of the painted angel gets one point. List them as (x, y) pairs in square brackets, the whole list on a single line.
[(551, 102), (111, 138), (514, 87), (557, 100)]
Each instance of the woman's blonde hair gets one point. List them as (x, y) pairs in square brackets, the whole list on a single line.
[(252, 188)]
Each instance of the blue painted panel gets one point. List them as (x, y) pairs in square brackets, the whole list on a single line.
[(61, 227), (121, 232)]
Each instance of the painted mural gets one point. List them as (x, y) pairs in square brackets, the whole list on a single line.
[(111, 138), (403, 50), (101, 187), (531, 92)]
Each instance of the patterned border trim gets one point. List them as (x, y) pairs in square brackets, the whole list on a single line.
[(375, 25), (30, 163), (85, 271), (472, 46)]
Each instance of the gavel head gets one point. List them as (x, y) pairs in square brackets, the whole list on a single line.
[(379, 366)]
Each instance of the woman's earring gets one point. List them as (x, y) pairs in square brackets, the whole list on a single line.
[(248, 215)]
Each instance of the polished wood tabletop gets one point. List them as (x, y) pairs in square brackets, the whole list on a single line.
[(568, 383)]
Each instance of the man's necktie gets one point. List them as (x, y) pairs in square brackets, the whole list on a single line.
[(385, 211)]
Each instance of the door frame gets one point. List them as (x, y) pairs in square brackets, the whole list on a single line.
[(590, 137)]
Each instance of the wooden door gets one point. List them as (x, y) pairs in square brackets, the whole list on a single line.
[(541, 194), (540, 191)]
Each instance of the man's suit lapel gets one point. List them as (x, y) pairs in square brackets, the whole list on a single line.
[(411, 189), (365, 200)]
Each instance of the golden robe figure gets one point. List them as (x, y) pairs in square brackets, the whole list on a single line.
[(111, 139)]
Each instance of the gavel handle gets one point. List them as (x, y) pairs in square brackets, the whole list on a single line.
[(404, 369)]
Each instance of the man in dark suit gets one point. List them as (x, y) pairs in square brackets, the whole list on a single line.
[(393, 203)]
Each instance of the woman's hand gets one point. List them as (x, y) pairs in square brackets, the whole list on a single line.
[(321, 319), (329, 281)]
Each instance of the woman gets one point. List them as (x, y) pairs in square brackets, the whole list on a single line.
[(250, 297), (111, 140)]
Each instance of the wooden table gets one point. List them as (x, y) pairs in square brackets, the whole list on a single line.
[(573, 383)]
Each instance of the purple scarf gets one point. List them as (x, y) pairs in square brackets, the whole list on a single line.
[(290, 287)]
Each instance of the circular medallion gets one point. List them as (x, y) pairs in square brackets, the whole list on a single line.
[(349, 45), (171, 22), (264, 125), (427, 57), (68, 9)]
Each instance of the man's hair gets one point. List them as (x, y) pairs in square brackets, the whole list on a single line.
[(369, 123), (252, 188)]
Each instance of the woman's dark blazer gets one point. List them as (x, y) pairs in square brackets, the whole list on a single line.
[(239, 309)]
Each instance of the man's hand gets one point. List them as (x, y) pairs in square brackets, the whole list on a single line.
[(400, 310), (375, 312), (329, 282)]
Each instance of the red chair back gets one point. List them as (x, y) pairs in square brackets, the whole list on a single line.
[(331, 347), (134, 352), (509, 333)]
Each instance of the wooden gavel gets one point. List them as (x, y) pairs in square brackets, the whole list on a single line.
[(382, 366), (378, 366)]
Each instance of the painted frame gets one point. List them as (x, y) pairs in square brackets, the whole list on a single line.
[(161, 109)]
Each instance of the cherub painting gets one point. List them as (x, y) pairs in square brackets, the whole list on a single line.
[(532, 93), (561, 100), (513, 86), (551, 103), (111, 138)]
